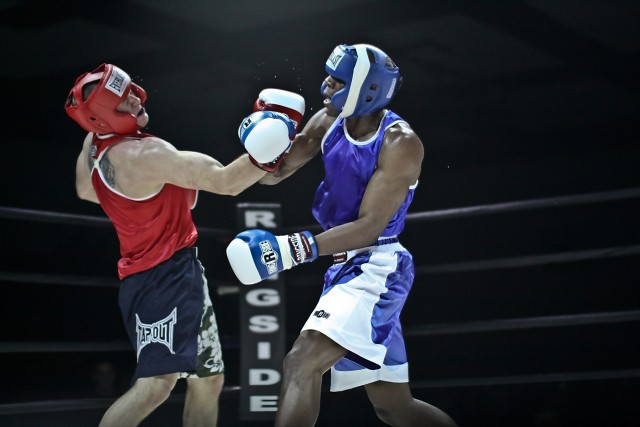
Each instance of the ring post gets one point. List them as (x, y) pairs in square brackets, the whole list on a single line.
[(262, 323)]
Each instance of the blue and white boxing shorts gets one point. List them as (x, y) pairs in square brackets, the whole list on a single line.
[(360, 309), (170, 321)]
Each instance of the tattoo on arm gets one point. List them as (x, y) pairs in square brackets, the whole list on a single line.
[(108, 171), (90, 163)]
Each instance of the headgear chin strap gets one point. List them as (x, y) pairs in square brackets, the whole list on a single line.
[(97, 113), (371, 79)]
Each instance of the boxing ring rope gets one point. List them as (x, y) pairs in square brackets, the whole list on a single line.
[(524, 323), (577, 199), (529, 379), (59, 279), (75, 219), (227, 287), (63, 347), (530, 260), (80, 404), (418, 330), (174, 399)]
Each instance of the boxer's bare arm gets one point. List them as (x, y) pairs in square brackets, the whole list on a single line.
[(306, 146), (142, 167)]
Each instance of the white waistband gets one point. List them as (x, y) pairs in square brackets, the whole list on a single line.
[(343, 257)]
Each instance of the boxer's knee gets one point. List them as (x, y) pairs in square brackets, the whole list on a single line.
[(312, 353)]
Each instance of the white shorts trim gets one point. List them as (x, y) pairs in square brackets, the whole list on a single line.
[(345, 380)]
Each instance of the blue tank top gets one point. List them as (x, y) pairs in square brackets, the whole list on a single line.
[(348, 166)]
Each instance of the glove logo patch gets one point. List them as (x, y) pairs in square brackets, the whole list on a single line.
[(244, 126), (269, 257)]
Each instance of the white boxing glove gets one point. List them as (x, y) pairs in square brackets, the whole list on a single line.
[(266, 135), (282, 101), (256, 254)]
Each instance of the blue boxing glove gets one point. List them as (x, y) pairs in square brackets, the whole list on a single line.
[(267, 136), (256, 254)]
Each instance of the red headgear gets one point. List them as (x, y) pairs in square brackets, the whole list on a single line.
[(98, 112)]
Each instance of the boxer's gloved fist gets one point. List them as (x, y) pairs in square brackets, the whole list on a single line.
[(282, 101), (266, 135), (256, 254)]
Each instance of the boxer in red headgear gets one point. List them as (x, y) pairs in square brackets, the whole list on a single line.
[(147, 188), (97, 111)]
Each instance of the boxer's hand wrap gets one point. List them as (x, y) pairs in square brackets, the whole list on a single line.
[(266, 135), (255, 254)]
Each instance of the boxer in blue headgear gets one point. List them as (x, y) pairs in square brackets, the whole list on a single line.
[(372, 161), (370, 77)]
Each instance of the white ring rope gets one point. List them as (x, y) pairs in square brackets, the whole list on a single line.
[(577, 199)]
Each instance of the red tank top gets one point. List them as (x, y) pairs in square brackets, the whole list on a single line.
[(150, 230)]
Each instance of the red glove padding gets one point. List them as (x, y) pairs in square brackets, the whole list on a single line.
[(282, 101)]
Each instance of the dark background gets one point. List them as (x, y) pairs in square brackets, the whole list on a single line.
[(513, 100)]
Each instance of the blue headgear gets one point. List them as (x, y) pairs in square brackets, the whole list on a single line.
[(371, 79)]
